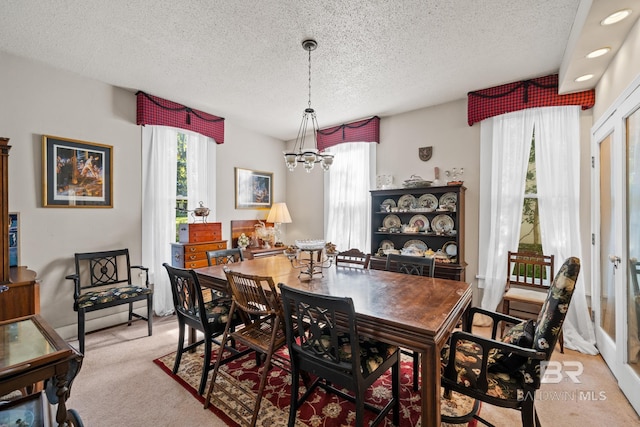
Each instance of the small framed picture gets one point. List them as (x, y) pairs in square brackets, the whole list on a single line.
[(76, 174), (254, 189), (14, 242)]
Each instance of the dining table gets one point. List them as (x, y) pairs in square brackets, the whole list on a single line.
[(414, 312)]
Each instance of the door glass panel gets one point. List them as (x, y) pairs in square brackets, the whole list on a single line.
[(607, 287), (633, 227)]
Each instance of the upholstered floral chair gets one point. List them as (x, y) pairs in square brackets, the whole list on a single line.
[(507, 373)]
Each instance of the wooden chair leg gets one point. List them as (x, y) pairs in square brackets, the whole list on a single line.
[(416, 370), (81, 330), (561, 341), (150, 314)]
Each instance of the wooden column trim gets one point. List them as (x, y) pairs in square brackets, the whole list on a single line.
[(4, 210)]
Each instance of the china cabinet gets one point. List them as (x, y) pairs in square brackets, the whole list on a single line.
[(412, 220)]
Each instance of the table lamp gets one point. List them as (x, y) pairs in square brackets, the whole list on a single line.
[(279, 214)]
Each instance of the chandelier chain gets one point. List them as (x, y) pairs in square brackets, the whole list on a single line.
[(309, 78)]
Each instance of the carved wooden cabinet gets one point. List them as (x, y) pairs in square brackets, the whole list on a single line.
[(193, 255), (439, 229), (22, 295)]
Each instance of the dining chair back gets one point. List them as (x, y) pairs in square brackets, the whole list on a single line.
[(407, 264), (209, 317), (255, 299), (105, 279), (225, 256), (417, 266), (323, 340), (529, 276), (353, 258)]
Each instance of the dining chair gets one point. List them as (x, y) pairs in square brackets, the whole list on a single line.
[(224, 256), (323, 340), (507, 373), (529, 275), (413, 265), (255, 299), (105, 279), (209, 317), (408, 264), (353, 258)]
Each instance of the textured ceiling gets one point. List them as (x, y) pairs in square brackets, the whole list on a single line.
[(243, 60)]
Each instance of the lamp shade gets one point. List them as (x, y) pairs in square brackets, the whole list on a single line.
[(279, 214)]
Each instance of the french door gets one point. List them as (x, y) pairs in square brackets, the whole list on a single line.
[(616, 236)]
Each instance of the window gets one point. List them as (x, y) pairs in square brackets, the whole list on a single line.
[(181, 183), (530, 238)]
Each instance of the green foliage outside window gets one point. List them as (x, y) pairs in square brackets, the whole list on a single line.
[(181, 183)]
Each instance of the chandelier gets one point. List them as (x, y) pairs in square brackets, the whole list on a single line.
[(301, 154)]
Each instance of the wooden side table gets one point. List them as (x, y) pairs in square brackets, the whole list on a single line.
[(32, 351)]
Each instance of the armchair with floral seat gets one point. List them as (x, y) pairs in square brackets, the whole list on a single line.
[(507, 373)]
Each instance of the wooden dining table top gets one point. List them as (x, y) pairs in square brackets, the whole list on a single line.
[(411, 302)]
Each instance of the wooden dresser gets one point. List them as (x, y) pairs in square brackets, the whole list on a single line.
[(193, 255)]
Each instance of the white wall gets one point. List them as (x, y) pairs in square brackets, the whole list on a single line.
[(41, 100)]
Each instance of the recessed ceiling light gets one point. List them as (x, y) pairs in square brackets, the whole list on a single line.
[(616, 17), (598, 52), (584, 78)]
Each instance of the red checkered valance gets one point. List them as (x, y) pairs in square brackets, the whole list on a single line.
[(540, 92), (157, 111), (367, 130)]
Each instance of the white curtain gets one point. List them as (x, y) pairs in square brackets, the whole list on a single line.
[(508, 137), (347, 197), (159, 178), (558, 177)]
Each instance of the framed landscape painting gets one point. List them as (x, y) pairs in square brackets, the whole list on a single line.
[(76, 174), (254, 189)]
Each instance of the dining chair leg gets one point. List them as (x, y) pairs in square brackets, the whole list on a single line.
[(395, 391), (176, 364), (223, 343), (295, 387)]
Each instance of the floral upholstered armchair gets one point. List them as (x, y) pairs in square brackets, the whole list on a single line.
[(507, 373)]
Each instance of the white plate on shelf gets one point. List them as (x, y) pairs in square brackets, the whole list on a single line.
[(406, 201), (391, 221), (450, 248), (418, 244), (448, 199), (420, 221), (428, 201), (387, 244), (442, 224), (389, 202)]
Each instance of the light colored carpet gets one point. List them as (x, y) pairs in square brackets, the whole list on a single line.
[(120, 385)]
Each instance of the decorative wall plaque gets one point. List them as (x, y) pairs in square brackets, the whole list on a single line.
[(425, 153)]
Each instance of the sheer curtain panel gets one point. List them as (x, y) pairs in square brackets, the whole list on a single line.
[(558, 173), (159, 178), (347, 197)]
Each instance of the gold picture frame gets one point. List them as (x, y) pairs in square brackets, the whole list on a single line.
[(76, 174), (254, 189)]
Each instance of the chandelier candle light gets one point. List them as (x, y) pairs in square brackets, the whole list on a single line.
[(300, 154)]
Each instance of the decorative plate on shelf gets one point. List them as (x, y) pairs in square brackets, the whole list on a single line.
[(448, 199), (406, 201), (391, 221), (388, 202), (418, 244), (442, 224), (450, 248), (419, 221), (428, 201), (387, 244)]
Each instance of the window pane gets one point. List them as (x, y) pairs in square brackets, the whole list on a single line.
[(530, 227), (181, 183)]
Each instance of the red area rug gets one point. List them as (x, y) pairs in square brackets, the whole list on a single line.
[(239, 380)]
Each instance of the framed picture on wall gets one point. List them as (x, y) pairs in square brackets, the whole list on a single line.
[(14, 242), (254, 189), (76, 174)]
